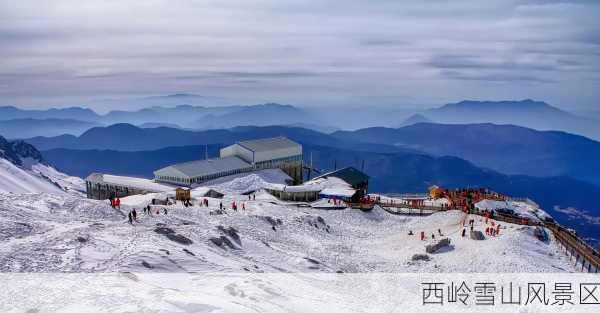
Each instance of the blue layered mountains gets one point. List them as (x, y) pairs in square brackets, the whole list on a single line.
[(184, 111), (528, 113), (21, 123), (505, 148), (30, 127)]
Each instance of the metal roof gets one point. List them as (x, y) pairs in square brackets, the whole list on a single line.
[(268, 144), (131, 182), (204, 167), (348, 174)]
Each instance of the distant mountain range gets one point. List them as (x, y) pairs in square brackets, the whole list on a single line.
[(126, 137), (528, 113), (258, 115), (505, 148), (29, 127), (165, 101), (74, 113), (16, 123)]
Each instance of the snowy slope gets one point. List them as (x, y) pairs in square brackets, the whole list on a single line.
[(18, 180), (270, 257), (521, 208), (50, 233), (23, 170), (246, 182)]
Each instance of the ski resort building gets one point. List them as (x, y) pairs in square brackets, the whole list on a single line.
[(104, 186), (243, 156), (194, 172), (278, 152)]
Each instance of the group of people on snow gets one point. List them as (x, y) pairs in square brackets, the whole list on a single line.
[(115, 202), (493, 230), (132, 216)]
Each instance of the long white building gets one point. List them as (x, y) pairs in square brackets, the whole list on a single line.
[(243, 156)]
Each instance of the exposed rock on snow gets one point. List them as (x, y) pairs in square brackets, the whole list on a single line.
[(436, 247), (477, 235), (314, 221), (222, 241), (420, 257), (232, 233), (270, 220), (170, 233), (147, 265)]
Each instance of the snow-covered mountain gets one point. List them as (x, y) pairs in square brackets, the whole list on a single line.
[(53, 231), (23, 170), (64, 232)]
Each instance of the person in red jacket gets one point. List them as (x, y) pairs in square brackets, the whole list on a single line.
[(118, 203), (422, 235)]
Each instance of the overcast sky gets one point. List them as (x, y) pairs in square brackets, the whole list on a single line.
[(388, 52)]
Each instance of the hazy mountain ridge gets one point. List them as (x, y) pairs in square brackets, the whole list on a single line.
[(527, 113), (259, 115), (15, 122), (506, 148), (29, 127), (126, 137), (415, 119)]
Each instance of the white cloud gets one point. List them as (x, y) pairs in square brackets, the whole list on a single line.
[(576, 214), (337, 52)]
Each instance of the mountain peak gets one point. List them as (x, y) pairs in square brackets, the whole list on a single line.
[(415, 119), (17, 151)]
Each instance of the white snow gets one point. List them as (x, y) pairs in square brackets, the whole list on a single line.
[(70, 184), (42, 232), (18, 180), (522, 208), (280, 255), (332, 186), (248, 182), (327, 204)]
